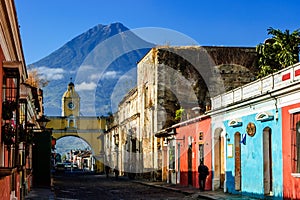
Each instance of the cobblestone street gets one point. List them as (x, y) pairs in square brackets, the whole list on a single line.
[(80, 186)]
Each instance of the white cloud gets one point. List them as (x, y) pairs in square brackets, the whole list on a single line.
[(110, 75), (105, 75), (51, 73), (95, 77), (86, 67), (85, 86)]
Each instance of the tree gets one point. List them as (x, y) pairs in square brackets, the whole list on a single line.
[(279, 51), (35, 80)]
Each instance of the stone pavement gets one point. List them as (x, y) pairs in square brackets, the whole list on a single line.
[(194, 193)]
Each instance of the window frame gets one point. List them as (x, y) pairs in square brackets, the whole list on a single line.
[(295, 141)]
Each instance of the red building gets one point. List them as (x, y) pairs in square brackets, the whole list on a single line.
[(21, 103), (193, 140), (291, 150)]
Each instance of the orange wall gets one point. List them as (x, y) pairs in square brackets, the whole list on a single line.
[(193, 131), (291, 185), (4, 181), (5, 188)]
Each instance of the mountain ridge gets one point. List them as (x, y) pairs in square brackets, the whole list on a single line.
[(84, 42), (62, 64)]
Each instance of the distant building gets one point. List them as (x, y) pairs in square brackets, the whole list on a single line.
[(83, 159)]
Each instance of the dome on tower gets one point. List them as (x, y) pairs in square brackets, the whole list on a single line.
[(71, 84), (71, 93)]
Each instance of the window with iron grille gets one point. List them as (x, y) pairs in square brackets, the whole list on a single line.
[(10, 116), (201, 152), (295, 129)]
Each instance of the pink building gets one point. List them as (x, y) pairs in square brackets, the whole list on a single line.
[(192, 143), (19, 108)]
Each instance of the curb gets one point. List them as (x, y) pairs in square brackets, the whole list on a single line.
[(198, 195)]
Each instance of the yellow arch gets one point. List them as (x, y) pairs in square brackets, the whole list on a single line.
[(90, 129)]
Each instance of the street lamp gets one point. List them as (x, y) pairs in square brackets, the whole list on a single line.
[(30, 125), (29, 133), (43, 120)]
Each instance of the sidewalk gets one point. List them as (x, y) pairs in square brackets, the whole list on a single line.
[(194, 192), (40, 194)]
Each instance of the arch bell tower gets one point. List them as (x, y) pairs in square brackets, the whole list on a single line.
[(70, 102), (71, 106)]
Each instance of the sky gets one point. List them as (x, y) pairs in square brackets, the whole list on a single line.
[(45, 26)]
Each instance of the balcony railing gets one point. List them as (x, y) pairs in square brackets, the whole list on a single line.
[(276, 81)]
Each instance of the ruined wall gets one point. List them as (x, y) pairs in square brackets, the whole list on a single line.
[(236, 65), (189, 76)]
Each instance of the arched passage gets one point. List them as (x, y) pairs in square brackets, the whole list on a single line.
[(72, 149), (67, 143), (95, 141)]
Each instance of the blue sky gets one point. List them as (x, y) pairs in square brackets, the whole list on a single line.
[(46, 25)]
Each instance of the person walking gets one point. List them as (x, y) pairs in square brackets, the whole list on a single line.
[(107, 168), (116, 173), (203, 173)]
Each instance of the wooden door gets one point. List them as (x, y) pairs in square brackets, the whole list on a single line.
[(237, 156), (267, 151)]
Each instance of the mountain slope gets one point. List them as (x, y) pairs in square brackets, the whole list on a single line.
[(101, 63)]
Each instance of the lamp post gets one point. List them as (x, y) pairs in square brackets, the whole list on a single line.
[(43, 120)]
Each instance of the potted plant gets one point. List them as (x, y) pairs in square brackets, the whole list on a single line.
[(29, 137), (21, 133), (8, 134), (7, 109)]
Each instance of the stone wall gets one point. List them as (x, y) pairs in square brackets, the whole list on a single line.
[(189, 76)]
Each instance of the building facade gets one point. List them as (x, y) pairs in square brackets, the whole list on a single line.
[(171, 79), (21, 107), (192, 145), (184, 79), (290, 112), (258, 122)]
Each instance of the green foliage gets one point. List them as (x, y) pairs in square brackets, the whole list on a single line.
[(278, 52), (179, 113), (7, 109), (64, 157), (8, 134)]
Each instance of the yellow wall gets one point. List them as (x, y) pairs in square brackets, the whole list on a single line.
[(90, 129)]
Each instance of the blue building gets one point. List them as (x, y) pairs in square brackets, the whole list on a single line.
[(254, 154), (248, 135)]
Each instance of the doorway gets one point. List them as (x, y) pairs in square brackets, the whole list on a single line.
[(267, 158), (219, 159)]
